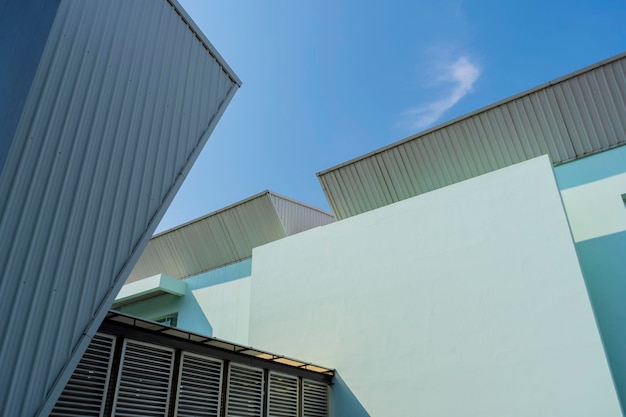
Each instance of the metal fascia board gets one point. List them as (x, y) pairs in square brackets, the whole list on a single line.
[(202, 37)]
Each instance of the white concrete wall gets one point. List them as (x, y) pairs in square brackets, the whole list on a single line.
[(466, 301), (596, 209)]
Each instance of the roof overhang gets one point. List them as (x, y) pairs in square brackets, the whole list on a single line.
[(124, 98), (149, 288), (149, 331), (569, 118), (225, 236)]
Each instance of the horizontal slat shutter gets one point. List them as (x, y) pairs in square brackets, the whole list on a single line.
[(199, 386), (144, 382), (245, 391), (282, 399), (85, 392), (314, 399)]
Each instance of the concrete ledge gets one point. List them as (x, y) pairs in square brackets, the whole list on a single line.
[(148, 288)]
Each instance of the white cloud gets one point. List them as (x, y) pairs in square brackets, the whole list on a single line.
[(462, 73)]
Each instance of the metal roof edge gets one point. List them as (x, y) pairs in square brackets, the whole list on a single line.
[(237, 204), (202, 38), (213, 269), (291, 200), (213, 213), (499, 103)]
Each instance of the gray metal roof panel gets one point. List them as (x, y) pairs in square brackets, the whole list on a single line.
[(124, 98), (569, 118), (225, 236)]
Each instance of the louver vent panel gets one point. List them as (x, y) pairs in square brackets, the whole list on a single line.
[(245, 391), (84, 394), (199, 386), (144, 381), (314, 399), (282, 397)]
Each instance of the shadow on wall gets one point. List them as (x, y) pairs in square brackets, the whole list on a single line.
[(603, 263), (343, 402)]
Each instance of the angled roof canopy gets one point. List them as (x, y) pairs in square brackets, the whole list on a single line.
[(122, 99), (225, 236), (572, 117)]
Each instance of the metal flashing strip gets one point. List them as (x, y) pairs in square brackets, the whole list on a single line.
[(204, 41), (152, 332)]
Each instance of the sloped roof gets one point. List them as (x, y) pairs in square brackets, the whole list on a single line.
[(572, 117), (123, 99), (225, 236)]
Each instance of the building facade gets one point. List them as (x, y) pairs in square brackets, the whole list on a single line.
[(475, 268)]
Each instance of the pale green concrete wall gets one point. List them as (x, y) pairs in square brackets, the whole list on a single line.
[(592, 188), (596, 208), (466, 301), (216, 303), (227, 307)]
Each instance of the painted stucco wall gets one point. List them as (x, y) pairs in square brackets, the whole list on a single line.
[(216, 303), (227, 308), (468, 300), (592, 191)]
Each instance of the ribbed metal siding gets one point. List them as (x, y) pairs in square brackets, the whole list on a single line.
[(570, 119), (218, 239), (297, 217), (20, 52), (124, 98)]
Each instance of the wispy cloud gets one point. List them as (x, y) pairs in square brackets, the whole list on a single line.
[(461, 75)]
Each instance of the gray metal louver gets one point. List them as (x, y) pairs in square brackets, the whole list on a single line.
[(85, 393), (143, 386), (282, 397), (245, 391), (314, 399), (199, 386)]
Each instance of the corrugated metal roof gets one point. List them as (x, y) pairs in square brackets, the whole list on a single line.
[(297, 217), (225, 236), (124, 98), (569, 118)]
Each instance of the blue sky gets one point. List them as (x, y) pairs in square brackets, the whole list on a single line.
[(327, 81)]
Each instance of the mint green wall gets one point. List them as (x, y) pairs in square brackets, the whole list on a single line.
[(191, 315), (592, 191), (603, 261), (465, 301), (591, 168)]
